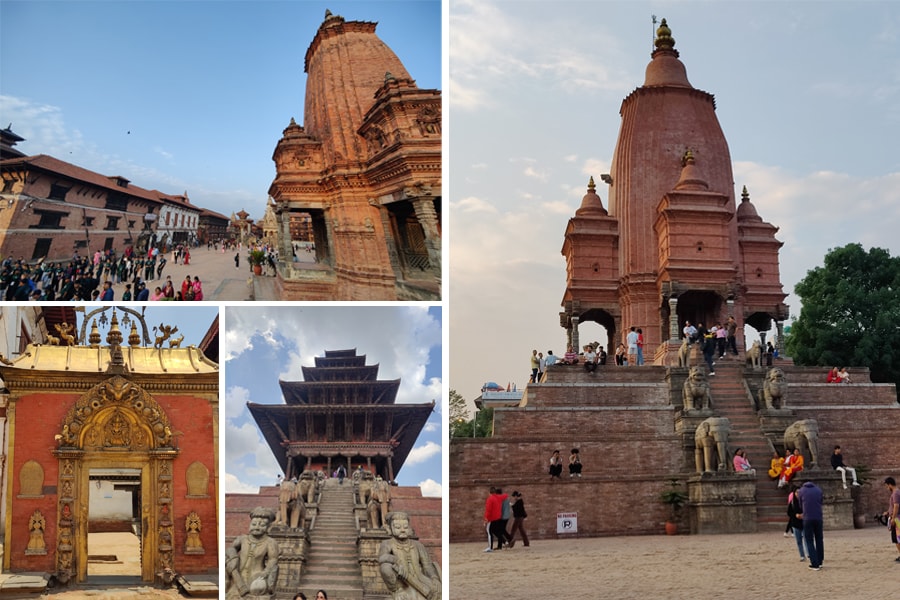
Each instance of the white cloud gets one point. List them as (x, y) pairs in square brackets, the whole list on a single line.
[(420, 454), (540, 175), (431, 488), (236, 398), (473, 204), (233, 485)]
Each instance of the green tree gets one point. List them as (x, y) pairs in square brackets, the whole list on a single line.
[(851, 313), (461, 426), (459, 416)]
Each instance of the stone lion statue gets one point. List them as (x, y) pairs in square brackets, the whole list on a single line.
[(696, 390), (774, 389), (711, 435), (754, 354), (684, 354), (803, 434)]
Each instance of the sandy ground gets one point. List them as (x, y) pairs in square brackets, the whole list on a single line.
[(859, 565), (125, 547)]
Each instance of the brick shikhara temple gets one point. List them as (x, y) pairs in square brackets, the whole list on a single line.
[(341, 414), (365, 168), (672, 246)]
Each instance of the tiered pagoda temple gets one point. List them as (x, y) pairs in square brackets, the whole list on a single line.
[(341, 414)]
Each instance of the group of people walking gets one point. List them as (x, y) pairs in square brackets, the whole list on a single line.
[(499, 508)]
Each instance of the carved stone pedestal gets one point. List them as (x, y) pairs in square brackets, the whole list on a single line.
[(369, 544), (837, 509), (293, 545), (772, 423), (686, 423), (722, 503)]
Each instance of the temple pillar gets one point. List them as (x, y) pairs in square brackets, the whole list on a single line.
[(779, 342), (285, 247), (575, 344), (673, 320), (390, 467), (427, 217)]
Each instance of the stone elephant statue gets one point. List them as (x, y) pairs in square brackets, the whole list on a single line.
[(804, 435), (365, 485), (711, 435), (774, 390), (696, 390), (306, 487)]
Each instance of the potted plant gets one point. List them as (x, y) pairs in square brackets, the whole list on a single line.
[(675, 498), (257, 258)]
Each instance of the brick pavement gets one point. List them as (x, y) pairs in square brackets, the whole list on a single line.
[(221, 281)]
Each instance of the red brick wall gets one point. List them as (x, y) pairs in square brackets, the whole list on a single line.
[(39, 418), (626, 435)]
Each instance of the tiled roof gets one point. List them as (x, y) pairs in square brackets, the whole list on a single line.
[(54, 165)]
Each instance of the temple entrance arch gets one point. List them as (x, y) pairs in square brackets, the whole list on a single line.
[(607, 323), (116, 424), (699, 306)]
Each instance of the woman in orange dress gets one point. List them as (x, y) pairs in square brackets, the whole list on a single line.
[(792, 466), (776, 466)]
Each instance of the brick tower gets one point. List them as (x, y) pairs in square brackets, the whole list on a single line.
[(366, 168), (672, 245)]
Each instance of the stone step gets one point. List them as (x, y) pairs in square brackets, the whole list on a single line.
[(333, 560)]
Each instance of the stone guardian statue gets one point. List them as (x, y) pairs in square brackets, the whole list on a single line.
[(251, 563), (406, 568)]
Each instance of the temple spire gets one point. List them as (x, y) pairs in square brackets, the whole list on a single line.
[(664, 41)]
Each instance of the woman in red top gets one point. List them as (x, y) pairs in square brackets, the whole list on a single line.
[(833, 376)]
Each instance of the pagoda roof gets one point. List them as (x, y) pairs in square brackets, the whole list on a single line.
[(407, 422), (330, 373), (381, 392)]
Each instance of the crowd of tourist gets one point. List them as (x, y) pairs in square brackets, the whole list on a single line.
[(91, 277)]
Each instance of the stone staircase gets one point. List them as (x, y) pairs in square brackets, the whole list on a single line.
[(730, 399), (333, 562)]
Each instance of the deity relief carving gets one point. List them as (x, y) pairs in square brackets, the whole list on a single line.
[(117, 431), (36, 526), (429, 121), (122, 429), (192, 527)]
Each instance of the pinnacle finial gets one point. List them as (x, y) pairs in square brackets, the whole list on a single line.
[(745, 195), (688, 157), (591, 185), (664, 39)]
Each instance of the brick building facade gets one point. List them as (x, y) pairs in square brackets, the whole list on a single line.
[(52, 208)]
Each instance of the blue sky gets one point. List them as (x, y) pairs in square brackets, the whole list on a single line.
[(192, 321), (205, 88), (263, 344), (807, 94)]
